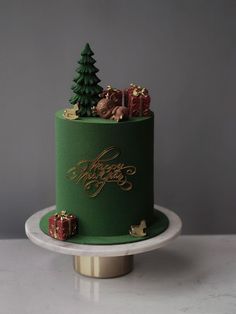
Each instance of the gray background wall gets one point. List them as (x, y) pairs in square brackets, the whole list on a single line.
[(183, 51)]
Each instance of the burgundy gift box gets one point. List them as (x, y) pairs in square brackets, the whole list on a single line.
[(138, 102), (113, 94), (138, 107), (62, 226), (128, 92)]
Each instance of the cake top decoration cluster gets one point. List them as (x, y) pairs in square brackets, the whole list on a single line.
[(91, 100)]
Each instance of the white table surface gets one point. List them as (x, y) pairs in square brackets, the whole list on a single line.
[(194, 274)]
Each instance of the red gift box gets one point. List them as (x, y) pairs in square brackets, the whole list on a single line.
[(128, 92), (139, 102), (62, 226), (113, 94)]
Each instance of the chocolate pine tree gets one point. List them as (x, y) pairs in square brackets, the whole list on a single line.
[(86, 88)]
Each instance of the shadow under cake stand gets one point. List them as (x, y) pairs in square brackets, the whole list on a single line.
[(102, 261)]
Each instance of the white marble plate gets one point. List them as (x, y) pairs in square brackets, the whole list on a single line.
[(35, 234)]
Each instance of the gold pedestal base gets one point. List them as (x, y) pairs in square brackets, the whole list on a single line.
[(103, 267)]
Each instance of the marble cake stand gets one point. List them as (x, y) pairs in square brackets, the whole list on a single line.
[(102, 261)]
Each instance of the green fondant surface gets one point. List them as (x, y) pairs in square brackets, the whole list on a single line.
[(159, 225), (112, 211)]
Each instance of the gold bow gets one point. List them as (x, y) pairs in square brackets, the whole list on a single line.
[(139, 91), (110, 88), (63, 215)]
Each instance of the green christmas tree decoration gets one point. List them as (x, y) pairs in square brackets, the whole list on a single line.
[(86, 89)]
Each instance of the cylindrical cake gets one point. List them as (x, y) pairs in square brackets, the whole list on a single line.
[(104, 173)]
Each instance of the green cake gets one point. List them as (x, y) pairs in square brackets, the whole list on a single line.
[(104, 162)]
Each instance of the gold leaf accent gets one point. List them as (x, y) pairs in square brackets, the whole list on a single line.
[(94, 111), (71, 113)]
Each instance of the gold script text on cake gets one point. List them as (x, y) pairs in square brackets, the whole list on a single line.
[(94, 174)]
